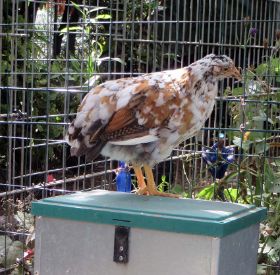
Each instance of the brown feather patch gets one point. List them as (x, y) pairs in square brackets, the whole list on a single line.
[(125, 116), (143, 87), (120, 119), (187, 80), (159, 114), (125, 133), (186, 119)]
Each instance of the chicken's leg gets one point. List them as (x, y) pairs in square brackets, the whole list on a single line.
[(151, 186), (142, 187)]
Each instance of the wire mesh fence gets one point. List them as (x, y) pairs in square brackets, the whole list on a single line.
[(54, 52)]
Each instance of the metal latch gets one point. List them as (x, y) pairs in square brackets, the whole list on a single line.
[(121, 244)]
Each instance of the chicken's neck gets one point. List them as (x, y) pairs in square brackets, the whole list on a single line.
[(199, 81)]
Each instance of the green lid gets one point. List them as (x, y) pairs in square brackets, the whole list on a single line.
[(166, 214)]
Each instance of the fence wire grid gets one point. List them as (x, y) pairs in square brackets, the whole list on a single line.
[(53, 52)]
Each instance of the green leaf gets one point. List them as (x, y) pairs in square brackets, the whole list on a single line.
[(39, 128), (24, 219), (271, 67), (277, 243), (238, 91), (97, 49), (53, 95), (78, 8), (42, 82), (262, 117), (163, 183), (92, 82), (276, 162), (50, 152), (231, 194), (260, 147), (103, 16), (87, 30), (207, 192), (245, 144), (31, 143), (261, 269), (259, 118), (275, 63), (97, 9), (229, 177), (249, 74), (177, 189), (5, 243), (273, 254), (55, 67), (15, 251), (75, 64), (261, 70), (90, 67), (100, 60), (55, 131), (58, 119), (271, 179), (67, 29), (118, 60)]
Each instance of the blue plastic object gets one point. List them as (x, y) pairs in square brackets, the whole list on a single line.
[(218, 157), (123, 178)]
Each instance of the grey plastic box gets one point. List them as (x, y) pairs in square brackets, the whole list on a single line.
[(75, 234)]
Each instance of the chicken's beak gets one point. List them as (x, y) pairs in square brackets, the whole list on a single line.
[(234, 72)]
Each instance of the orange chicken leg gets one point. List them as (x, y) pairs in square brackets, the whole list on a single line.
[(151, 186), (142, 187)]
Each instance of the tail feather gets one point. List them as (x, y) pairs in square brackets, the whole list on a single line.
[(89, 144)]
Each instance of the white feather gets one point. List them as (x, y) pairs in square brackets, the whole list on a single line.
[(160, 101), (125, 95), (134, 141)]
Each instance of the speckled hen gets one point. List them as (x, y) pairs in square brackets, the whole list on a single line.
[(141, 119)]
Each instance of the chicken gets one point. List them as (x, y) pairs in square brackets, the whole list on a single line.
[(141, 119)]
